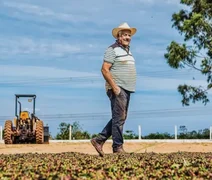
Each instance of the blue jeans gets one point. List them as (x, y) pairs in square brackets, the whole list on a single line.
[(119, 108)]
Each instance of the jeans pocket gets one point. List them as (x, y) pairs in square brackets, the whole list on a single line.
[(110, 93)]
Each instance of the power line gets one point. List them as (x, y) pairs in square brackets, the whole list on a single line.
[(103, 118), (133, 114), (64, 81), (145, 74)]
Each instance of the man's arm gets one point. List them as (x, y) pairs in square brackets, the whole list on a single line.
[(108, 77)]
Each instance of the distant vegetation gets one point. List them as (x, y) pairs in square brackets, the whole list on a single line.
[(79, 133)]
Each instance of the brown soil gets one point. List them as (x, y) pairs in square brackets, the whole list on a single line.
[(87, 148)]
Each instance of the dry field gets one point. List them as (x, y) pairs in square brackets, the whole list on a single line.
[(87, 148)]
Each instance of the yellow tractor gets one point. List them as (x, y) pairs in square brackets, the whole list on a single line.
[(27, 127)]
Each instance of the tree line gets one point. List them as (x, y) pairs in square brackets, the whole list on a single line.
[(79, 133)]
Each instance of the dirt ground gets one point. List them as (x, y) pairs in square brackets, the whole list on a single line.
[(87, 148)]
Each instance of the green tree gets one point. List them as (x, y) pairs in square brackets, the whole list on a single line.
[(205, 133), (78, 133), (158, 136), (192, 135), (129, 134), (63, 131), (76, 130), (183, 132), (196, 26)]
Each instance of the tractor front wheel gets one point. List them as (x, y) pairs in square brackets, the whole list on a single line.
[(39, 132), (8, 132)]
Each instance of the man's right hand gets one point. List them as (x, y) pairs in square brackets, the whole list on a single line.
[(106, 73), (117, 90)]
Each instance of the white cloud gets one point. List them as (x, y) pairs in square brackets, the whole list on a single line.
[(97, 15), (29, 8), (37, 72), (42, 11), (23, 45), (142, 49), (74, 12), (154, 2), (148, 83), (146, 2)]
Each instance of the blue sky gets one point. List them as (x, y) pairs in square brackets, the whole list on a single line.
[(54, 49)]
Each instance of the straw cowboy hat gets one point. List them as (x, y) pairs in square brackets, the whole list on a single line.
[(123, 26)]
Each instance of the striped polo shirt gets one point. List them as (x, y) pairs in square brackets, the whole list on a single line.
[(123, 66)]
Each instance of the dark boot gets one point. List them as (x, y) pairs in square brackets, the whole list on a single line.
[(98, 146), (119, 150)]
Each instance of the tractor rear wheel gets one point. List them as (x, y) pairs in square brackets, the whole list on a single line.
[(39, 132), (8, 132)]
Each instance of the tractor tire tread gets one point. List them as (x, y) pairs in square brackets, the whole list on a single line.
[(39, 132), (8, 132)]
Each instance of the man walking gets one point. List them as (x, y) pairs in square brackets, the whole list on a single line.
[(119, 71)]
